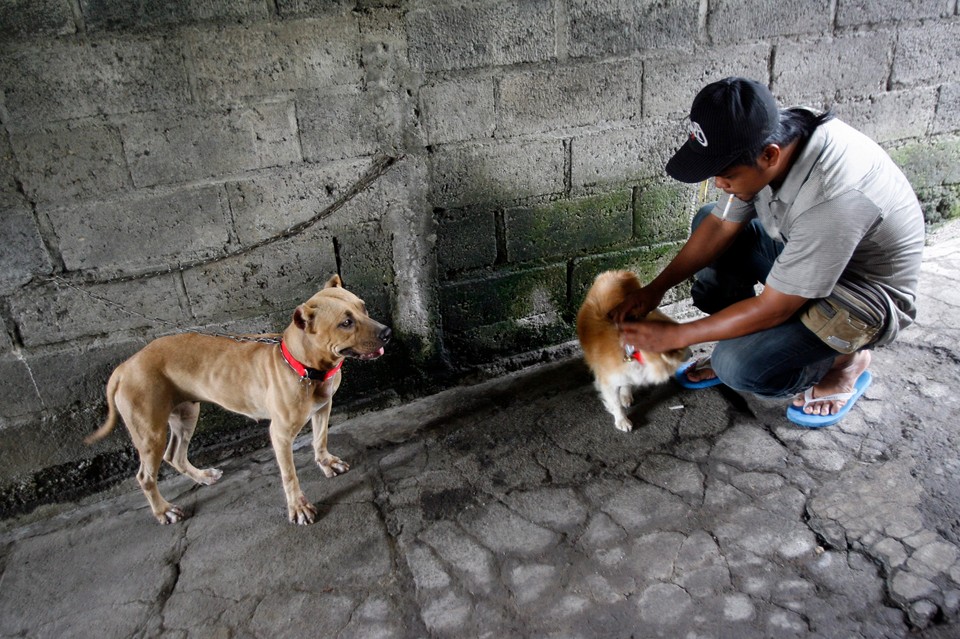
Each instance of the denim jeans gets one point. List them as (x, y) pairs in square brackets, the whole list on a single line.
[(777, 362)]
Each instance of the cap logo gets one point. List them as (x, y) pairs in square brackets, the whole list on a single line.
[(696, 133)]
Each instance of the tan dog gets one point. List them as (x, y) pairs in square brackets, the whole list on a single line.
[(616, 371), (288, 381)]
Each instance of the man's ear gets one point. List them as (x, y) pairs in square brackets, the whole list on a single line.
[(770, 156), (334, 282)]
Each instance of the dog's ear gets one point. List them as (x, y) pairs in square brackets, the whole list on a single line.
[(334, 282), (302, 317)]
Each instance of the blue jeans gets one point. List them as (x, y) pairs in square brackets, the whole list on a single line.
[(777, 362)]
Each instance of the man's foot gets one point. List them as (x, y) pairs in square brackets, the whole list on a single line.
[(842, 378), (697, 374), (701, 371)]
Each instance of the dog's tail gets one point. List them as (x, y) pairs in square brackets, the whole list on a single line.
[(112, 414)]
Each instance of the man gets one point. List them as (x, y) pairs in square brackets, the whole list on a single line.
[(817, 213)]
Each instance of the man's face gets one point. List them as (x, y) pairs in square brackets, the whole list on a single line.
[(746, 181), (742, 181)]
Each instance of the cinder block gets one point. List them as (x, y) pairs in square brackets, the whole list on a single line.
[(279, 275), (891, 116), (18, 392), (27, 18), (481, 34), (620, 156), (10, 193), (832, 68), (76, 376), (120, 14), (337, 124), (496, 172), (306, 8), (143, 232), (646, 262), (58, 313), (503, 297), (366, 267), (930, 164), (661, 211), (265, 59), (851, 14), (671, 82), (730, 21), (948, 109), (466, 239), (587, 94), (178, 146), (568, 227), (72, 160), (930, 53), (604, 27), (273, 201), (487, 344), (458, 110), (69, 79), (23, 255)]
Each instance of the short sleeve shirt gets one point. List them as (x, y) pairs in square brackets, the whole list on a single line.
[(844, 208)]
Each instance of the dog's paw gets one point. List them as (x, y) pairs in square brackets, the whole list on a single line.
[(171, 515), (303, 512), (332, 465), (626, 397), (209, 476), (624, 424)]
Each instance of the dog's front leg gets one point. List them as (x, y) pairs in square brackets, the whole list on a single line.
[(299, 510), (331, 465)]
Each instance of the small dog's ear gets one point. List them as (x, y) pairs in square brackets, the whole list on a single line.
[(334, 282)]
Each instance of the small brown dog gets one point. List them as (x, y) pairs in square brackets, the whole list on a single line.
[(617, 370), (288, 379)]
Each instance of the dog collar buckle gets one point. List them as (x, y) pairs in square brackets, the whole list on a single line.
[(305, 372)]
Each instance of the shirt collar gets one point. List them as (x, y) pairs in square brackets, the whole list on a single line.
[(802, 167)]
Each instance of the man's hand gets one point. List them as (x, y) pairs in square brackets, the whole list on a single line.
[(636, 305), (653, 335)]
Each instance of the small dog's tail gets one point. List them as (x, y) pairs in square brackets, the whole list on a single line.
[(111, 422)]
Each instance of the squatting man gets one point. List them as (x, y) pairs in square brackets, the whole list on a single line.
[(823, 218)]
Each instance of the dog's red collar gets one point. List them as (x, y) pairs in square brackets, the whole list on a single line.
[(305, 372), (633, 353)]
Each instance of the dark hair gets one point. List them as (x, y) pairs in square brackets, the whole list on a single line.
[(794, 124)]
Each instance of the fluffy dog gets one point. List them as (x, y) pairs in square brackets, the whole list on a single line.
[(617, 370), (288, 378)]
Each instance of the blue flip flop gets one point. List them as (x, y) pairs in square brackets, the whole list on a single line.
[(683, 380), (800, 418)]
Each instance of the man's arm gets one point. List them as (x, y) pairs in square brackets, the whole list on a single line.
[(770, 308), (711, 238)]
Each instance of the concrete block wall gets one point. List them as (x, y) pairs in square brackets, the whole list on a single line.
[(467, 168)]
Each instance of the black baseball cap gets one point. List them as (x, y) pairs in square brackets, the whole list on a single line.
[(727, 118)]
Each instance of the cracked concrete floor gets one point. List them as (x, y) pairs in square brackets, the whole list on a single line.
[(515, 509)]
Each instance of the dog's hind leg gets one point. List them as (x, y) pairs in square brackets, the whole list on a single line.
[(331, 465), (613, 400), (149, 434), (183, 421)]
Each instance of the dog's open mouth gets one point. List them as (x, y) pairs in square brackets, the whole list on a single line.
[(371, 355)]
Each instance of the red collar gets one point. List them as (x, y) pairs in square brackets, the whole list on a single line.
[(305, 372), (633, 353)]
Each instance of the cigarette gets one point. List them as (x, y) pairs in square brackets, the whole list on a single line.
[(727, 207)]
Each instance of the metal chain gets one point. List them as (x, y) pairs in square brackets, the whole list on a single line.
[(379, 167), (376, 170)]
